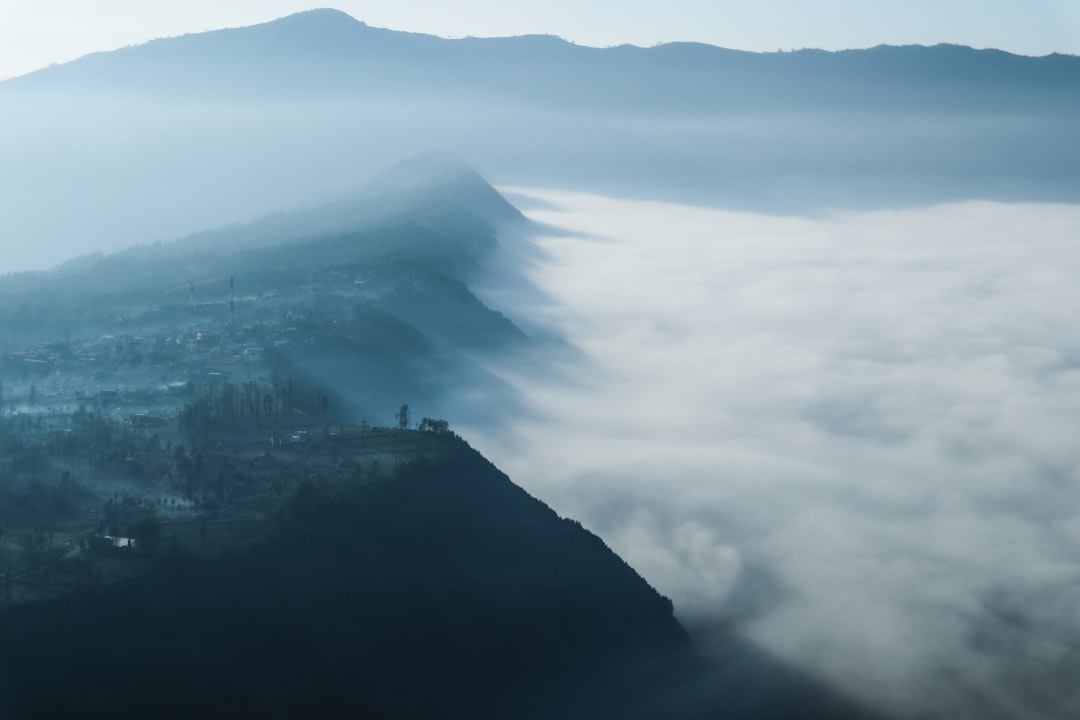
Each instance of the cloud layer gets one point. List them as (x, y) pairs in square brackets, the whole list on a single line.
[(853, 436)]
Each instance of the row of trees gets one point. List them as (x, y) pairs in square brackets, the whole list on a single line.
[(252, 404), (426, 425)]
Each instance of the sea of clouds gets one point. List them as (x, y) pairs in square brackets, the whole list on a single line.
[(855, 438)]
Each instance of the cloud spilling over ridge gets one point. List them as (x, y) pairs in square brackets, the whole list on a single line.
[(853, 437)]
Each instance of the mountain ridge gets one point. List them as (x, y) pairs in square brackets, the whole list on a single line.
[(341, 25), (366, 301), (435, 182), (333, 33)]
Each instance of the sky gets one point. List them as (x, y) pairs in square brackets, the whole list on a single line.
[(35, 33)]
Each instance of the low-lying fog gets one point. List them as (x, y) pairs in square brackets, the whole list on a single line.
[(855, 438)]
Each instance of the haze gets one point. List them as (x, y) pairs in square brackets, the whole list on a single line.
[(162, 140), (803, 333)]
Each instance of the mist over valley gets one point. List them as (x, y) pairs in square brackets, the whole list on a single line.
[(849, 437), (792, 333)]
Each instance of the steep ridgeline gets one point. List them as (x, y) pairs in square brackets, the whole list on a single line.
[(365, 301), (445, 591)]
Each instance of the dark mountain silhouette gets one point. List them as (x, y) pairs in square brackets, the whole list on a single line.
[(178, 134), (443, 592)]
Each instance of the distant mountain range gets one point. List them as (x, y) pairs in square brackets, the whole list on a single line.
[(179, 134), (328, 52)]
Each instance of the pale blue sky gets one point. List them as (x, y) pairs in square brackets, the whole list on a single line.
[(34, 33)]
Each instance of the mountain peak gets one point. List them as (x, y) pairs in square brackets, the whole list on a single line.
[(320, 27), (323, 16)]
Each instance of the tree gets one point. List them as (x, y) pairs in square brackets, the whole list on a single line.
[(403, 417), (186, 468), (195, 422), (436, 426)]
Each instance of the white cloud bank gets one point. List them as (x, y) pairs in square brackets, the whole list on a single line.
[(856, 436)]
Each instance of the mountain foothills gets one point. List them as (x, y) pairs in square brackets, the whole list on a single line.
[(214, 498), (167, 138)]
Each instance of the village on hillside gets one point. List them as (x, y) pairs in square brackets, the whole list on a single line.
[(121, 449)]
